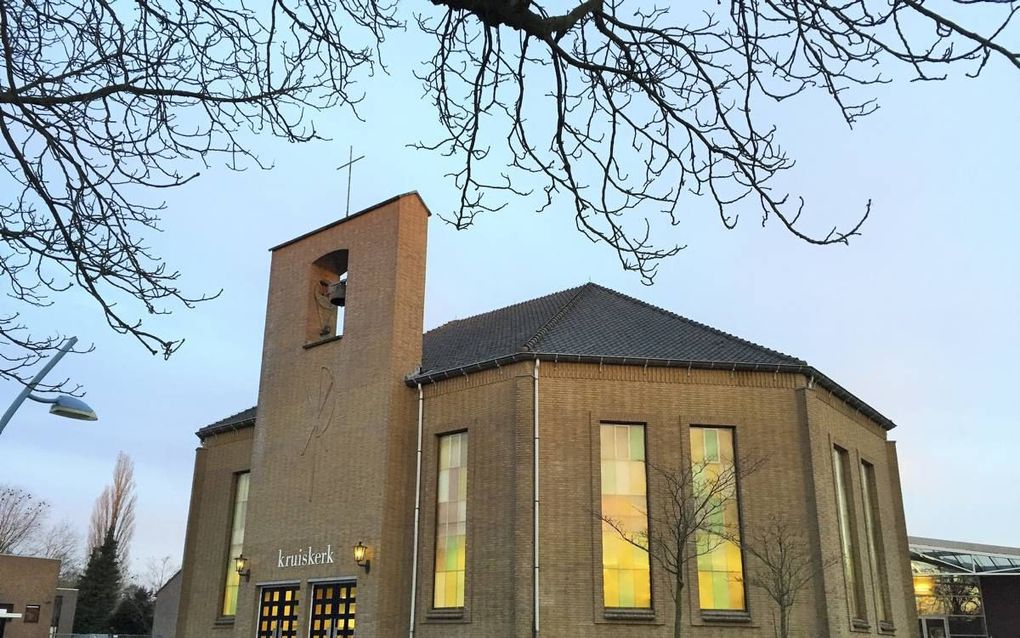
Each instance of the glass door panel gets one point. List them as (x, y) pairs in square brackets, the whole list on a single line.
[(935, 628), (333, 609), (278, 612)]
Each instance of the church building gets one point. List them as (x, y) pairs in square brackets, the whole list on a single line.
[(505, 474)]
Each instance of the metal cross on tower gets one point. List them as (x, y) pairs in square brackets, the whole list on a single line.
[(349, 165)]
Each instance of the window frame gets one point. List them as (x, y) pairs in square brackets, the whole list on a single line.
[(723, 614), (454, 612), (220, 616), (600, 591), (857, 606), (878, 558)]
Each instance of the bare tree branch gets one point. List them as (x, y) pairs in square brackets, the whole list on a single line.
[(785, 566), (636, 115), (687, 500), (21, 518)]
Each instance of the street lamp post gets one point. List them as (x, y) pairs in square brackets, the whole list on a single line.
[(61, 405)]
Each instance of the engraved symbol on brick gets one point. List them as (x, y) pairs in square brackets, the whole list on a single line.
[(325, 407)]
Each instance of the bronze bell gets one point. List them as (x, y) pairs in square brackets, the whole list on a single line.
[(338, 293)]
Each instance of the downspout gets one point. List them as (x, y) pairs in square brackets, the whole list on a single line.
[(535, 469), (417, 513)]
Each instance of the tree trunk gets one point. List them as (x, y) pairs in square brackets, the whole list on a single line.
[(678, 609), (784, 622)]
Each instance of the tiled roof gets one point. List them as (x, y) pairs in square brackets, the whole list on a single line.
[(590, 323), (242, 419), (587, 321)]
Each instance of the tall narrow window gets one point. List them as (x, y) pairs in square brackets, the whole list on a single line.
[(236, 543), (847, 533), (720, 564), (626, 578), (451, 521), (876, 550)]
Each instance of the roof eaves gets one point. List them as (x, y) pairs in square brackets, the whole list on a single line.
[(236, 421), (434, 376)]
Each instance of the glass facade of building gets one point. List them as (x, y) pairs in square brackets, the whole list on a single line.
[(948, 605)]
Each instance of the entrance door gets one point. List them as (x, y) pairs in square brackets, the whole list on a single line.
[(333, 608), (934, 627), (278, 612)]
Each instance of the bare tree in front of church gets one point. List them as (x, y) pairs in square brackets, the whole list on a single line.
[(628, 114), (784, 566), (686, 518)]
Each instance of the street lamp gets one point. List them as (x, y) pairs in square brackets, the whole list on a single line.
[(61, 405)]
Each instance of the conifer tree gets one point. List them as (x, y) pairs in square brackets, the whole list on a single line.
[(99, 588)]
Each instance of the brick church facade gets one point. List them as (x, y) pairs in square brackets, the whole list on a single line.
[(474, 467)]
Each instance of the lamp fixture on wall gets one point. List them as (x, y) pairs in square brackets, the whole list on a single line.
[(361, 556), (241, 565)]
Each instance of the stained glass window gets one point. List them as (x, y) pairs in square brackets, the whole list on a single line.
[(451, 521), (626, 578), (236, 543), (720, 564)]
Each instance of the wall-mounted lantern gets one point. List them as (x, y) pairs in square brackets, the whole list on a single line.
[(361, 556), (242, 567)]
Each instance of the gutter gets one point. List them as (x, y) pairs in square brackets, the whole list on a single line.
[(417, 512), (535, 465), (789, 368)]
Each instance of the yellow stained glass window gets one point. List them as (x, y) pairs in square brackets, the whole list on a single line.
[(626, 578), (233, 579), (720, 564), (451, 521)]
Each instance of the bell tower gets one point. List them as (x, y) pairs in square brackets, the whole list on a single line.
[(333, 455)]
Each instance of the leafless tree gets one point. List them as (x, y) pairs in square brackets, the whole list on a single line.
[(62, 542), (785, 565), (21, 518), (114, 510), (628, 110), (687, 501), (157, 572)]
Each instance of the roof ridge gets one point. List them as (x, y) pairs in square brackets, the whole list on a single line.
[(559, 314), (698, 323)]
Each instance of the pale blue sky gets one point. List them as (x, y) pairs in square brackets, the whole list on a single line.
[(920, 316)]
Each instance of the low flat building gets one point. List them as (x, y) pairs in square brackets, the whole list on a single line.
[(501, 475), (168, 600), (965, 589), (31, 604)]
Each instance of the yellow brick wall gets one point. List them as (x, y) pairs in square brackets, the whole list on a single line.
[(28, 581), (208, 536)]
